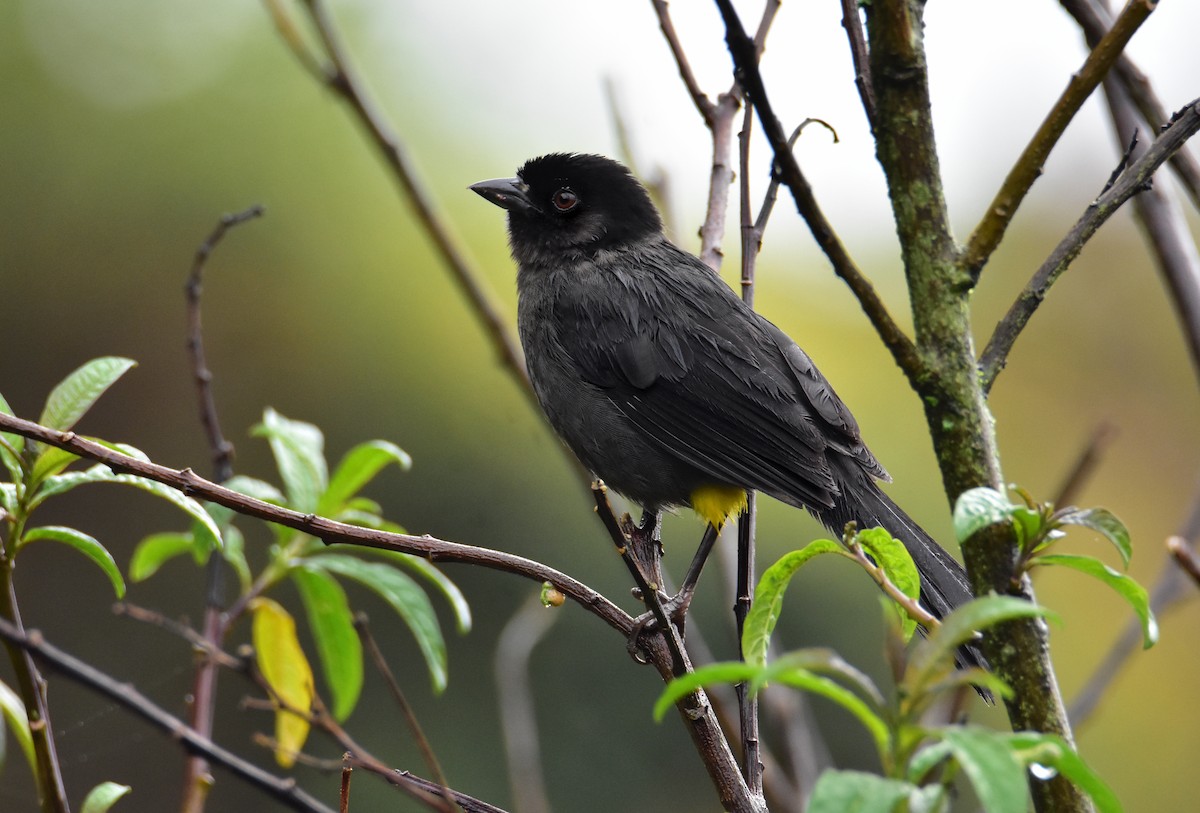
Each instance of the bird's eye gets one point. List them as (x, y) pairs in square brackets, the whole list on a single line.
[(564, 200)]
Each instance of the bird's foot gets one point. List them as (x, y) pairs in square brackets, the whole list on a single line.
[(674, 609)]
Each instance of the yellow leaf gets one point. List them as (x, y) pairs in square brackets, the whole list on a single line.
[(286, 669)]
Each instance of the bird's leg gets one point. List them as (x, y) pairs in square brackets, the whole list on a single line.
[(677, 606)]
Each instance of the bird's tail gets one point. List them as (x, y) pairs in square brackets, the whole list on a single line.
[(944, 584)]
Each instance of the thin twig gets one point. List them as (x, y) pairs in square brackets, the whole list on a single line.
[(858, 53), (911, 606), (718, 118), (362, 627), (180, 630), (201, 706), (1085, 465), (1095, 18), (1184, 124), (347, 772), (694, 709), (435, 550), (1028, 167), (742, 50), (221, 448), (650, 589), (1165, 229), (341, 79), (1171, 588), (518, 715), (283, 789), (1185, 557)]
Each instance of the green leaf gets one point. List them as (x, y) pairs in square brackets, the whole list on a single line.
[(208, 536), (973, 676), (826, 662), (1030, 526), (931, 656), (1125, 586), (234, 551), (799, 670), (405, 597), (13, 709), (1052, 751), (332, 624), (10, 453), (8, 497), (926, 759), (299, 450), (75, 394), (156, 550), (51, 460), (359, 467), (103, 797), (83, 543), (768, 597), (426, 570), (988, 761), (978, 508), (726, 672), (283, 664), (1105, 523), (897, 563), (857, 792)]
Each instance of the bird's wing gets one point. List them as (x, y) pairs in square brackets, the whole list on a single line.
[(709, 380)]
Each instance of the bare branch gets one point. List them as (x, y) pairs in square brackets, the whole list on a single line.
[(518, 716), (282, 789), (197, 781), (435, 550), (1171, 588), (363, 628), (340, 78), (1085, 465), (743, 52), (1095, 18), (1132, 180), (858, 53), (1028, 167), (1165, 229)]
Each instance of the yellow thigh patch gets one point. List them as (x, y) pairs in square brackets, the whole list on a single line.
[(717, 504)]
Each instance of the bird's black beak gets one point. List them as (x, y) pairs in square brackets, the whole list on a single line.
[(507, 193)]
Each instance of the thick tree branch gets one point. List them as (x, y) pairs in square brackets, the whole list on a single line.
[(956, 410), (1132, 180), (1028, 167)]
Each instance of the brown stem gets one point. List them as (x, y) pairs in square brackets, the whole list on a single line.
[(341, 79), (1028, 167), (282, 789), (436, 550), (743, 51), (197, 781), (1131, 181)]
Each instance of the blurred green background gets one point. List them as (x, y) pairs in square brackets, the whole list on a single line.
[(127, 128)]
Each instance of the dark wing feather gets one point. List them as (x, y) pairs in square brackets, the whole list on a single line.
[(709, 380)]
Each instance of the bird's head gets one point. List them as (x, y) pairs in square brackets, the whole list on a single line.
[(574, 203)]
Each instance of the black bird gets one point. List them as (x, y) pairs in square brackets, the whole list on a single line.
[(665, 384)]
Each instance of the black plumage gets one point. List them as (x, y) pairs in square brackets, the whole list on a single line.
[(663, 382)]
